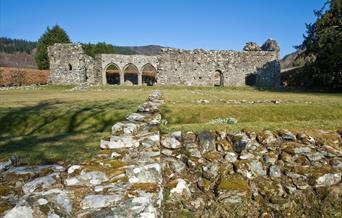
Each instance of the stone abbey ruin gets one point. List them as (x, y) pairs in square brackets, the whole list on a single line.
[(255, 66)]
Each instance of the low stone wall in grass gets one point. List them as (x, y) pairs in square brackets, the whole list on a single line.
[(140, 173)]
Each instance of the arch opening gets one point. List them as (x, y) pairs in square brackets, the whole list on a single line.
[(131, 74), (218, 78), (113, 74), (70, 67), (149, 75)]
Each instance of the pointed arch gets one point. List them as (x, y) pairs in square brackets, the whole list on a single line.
[(112, 74), (131, 73), (149, 74)]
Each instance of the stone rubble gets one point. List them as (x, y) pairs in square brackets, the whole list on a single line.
[(140, 173)]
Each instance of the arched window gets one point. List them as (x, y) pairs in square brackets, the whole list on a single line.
[(149, 74), (131, 74), (70, 67), (113, 74)]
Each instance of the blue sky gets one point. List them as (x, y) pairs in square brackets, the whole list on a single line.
[(188, 24)]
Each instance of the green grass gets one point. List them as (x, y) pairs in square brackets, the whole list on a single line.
[(53, 124)]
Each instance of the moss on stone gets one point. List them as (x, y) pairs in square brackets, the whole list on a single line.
[(147, 187), (233, 182), (211, 156), (4, 190)]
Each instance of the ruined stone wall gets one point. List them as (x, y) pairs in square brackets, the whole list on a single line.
[(198, 67), (121, 61), (70, 65), (253, 66)]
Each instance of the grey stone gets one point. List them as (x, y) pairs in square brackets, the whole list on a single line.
[(275, 171), (230, 157), (124, 128), (136, 117), (99, 201), (328, 179), (251, 46), (240, 142), (181, 189), (43, 182), (5, 165), (119, 142), (210, 170), (257, 168), (87, 178), (20, 212), (170, 142), (207, 141), (270, 45), (149, 173), (176, 165), (287, 135)]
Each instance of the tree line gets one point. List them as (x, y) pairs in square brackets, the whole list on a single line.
[(11, 46), (322, 47)]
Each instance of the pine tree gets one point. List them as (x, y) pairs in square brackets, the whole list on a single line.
[(54, 35), (323, 46)]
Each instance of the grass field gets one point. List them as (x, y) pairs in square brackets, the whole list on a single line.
[(53, 124)]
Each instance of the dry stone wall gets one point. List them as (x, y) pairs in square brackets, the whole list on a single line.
[(140, 173)]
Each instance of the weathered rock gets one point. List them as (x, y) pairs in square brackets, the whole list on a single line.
[(136, 117), (99, 201), (287, 135), (40, 182), (124, 128), (87, 178), (20, 212), (328, 179), (119, 142), (181, 189), (257, 168), (251, 46), (240, 141), (266, 137), (176, 166), (270, 45), (210, 171), (150, 173), (232, 189), (275, 171), (170, 142), (230, 157), (207, 141)]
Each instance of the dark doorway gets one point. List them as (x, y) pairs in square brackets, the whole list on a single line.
[(218, 78)]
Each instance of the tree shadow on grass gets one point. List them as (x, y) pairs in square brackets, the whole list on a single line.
[(52, 131)]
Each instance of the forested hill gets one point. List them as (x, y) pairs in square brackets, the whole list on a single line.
[(11, 46), (20, 53)]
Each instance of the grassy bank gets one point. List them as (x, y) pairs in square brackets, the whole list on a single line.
[(53, 124)]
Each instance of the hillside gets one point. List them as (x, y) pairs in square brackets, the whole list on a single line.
[(292, 60), (20, 53), (146, 50)]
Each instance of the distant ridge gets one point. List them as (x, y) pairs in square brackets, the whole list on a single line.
[(20, 53)]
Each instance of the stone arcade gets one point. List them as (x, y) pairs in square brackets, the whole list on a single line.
[(256, 66)]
